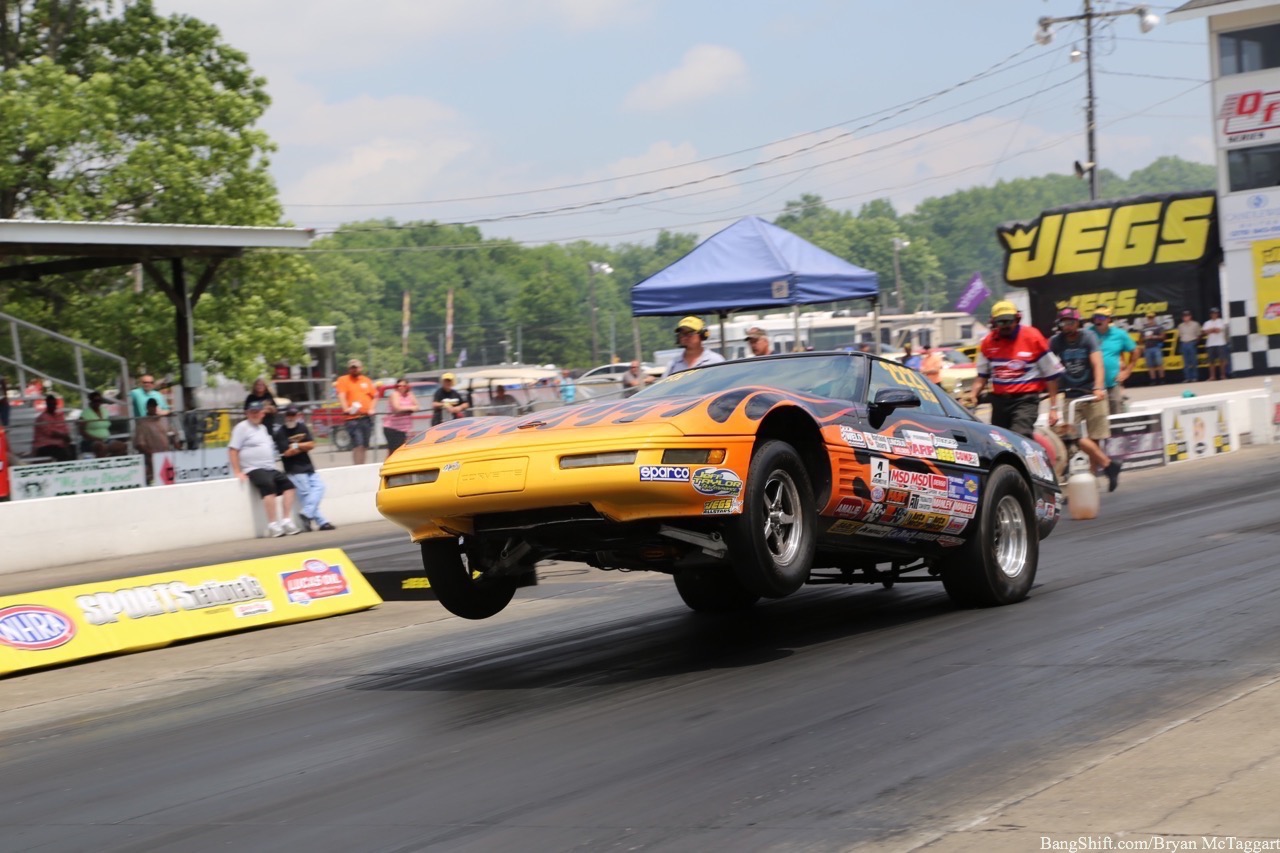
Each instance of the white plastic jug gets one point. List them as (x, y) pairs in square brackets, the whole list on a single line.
[(1082, 488)]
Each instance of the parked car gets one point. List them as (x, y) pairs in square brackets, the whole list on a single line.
[(614, 372), (742, 480)]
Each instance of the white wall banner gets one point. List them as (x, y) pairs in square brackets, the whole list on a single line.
[(1248, 216), (191, 466), (86, 476), (1198, 430)]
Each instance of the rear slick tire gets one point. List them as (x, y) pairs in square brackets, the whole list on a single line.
[(772, 543), (456, 589), (713, 591), (998, 564)]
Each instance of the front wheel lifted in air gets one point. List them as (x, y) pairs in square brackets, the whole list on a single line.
[(457, 589), (772, 542)]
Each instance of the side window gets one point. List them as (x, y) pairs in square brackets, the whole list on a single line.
[(886, 374)]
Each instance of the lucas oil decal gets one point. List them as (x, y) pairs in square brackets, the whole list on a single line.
[(316, 579), (34, 627), (716, 481)]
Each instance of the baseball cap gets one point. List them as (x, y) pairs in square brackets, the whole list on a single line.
[(1215, 311), (255, 406), (691, 324), (448, 376), (291, 409), (1102, 311), (756, 332), (1004, 309), (1068, 313), (355, 362)]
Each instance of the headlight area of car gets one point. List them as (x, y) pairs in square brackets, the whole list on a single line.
[(416, 478), (693, 457), (628, 457)]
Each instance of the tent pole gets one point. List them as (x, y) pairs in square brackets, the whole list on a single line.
[(795, 321), (875, 323), (724, 345)]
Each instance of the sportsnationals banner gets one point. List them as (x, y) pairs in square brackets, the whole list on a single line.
[(70, 623), (1157, 253)]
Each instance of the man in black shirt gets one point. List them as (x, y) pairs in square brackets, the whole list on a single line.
[(294, 441), (448, 402)]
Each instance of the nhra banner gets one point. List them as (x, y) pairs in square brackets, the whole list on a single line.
[(1155, 253), (72, 623)]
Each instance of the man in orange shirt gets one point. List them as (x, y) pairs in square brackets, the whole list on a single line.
[(358, 395)]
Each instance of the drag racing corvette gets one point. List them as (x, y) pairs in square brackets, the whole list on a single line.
[(742, 480)]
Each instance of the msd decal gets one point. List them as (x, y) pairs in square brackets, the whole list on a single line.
[(316, 579), (918, 481), (34, 627)]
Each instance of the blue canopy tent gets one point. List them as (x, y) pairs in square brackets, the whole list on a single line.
[(749, 265)]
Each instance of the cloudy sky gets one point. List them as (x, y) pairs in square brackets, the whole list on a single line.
[(556, 120)]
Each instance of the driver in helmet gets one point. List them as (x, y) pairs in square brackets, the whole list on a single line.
[(1018, 364)]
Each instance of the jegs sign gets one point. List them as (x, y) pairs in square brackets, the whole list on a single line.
[(1156, 253)]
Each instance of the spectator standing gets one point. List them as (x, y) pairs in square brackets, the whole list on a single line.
[(448, 402), (1188, 338), (758, 340), (1153, 347), (910, 359), (4, 402), (396, 426), (931, 364), (1084, 378), (52, 434), (151, 435), (1215, 344), (252, 451), (568, 389), (1017, 361), (357, 395), (294, 442), (95, 429), (1117, 356), (262, 393), (145, 391), (691, 334), (634, 379)]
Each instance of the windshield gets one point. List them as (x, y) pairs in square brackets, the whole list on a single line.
[(842, 376)]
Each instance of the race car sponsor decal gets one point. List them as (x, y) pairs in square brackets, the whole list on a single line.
[(900, 446), (844, 527), (664, 474), (316, 579), (716, 481), (879, 442), (919, 444), (852, 437), (963, 488), (157, 599), (253, 608), (850, 507), (898, 497), (877, 494), (722, 506), (955, 525), (945, 441), (1001, 440), (917, 481), (944, 454), (450, 466), (874, 511), (880, 471), (947, 541), (35, 627), (963, 509), (877, 531), (967, 457)]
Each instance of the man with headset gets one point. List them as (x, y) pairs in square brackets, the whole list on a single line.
[(690, 334)]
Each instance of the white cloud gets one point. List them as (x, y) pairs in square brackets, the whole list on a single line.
[(705, 70)]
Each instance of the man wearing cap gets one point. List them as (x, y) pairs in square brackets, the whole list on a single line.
[(1153, 347), (358, 395), (252, 454), (448, 402), (758, 340), (1083, 379), (294, 441), (1017, 361), (1117, 356), (691, 332), (1188, 339), (1215, 344)]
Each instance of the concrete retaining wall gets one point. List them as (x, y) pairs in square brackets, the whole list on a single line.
[(63, 531)]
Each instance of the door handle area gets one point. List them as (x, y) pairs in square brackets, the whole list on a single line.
[(960, 436)]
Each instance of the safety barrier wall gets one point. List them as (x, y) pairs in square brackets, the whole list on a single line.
[(62, 531)]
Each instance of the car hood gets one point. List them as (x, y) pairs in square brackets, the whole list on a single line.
[(736, 411)]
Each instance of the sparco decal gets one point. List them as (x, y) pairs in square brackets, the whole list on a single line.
[(316, 579), (664, 474), (34, 627), (1136, 234), (139, 602), (716, 481)]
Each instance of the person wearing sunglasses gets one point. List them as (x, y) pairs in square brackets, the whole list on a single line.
[(690, 335), (1015, 360)]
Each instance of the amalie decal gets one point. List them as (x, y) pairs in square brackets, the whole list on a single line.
[(1135, 234)]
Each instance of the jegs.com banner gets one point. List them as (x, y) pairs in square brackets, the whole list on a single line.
[(1148, 253)]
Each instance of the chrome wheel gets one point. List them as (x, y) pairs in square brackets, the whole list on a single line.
[(1010, 537), (782, 533)]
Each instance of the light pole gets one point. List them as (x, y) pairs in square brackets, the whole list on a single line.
[(898, 245), (1146, 22), (597, 268)]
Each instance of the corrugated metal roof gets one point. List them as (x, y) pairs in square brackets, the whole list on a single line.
[(150, 235)]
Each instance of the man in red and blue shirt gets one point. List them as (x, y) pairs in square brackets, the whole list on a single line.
[(1017, 362)]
